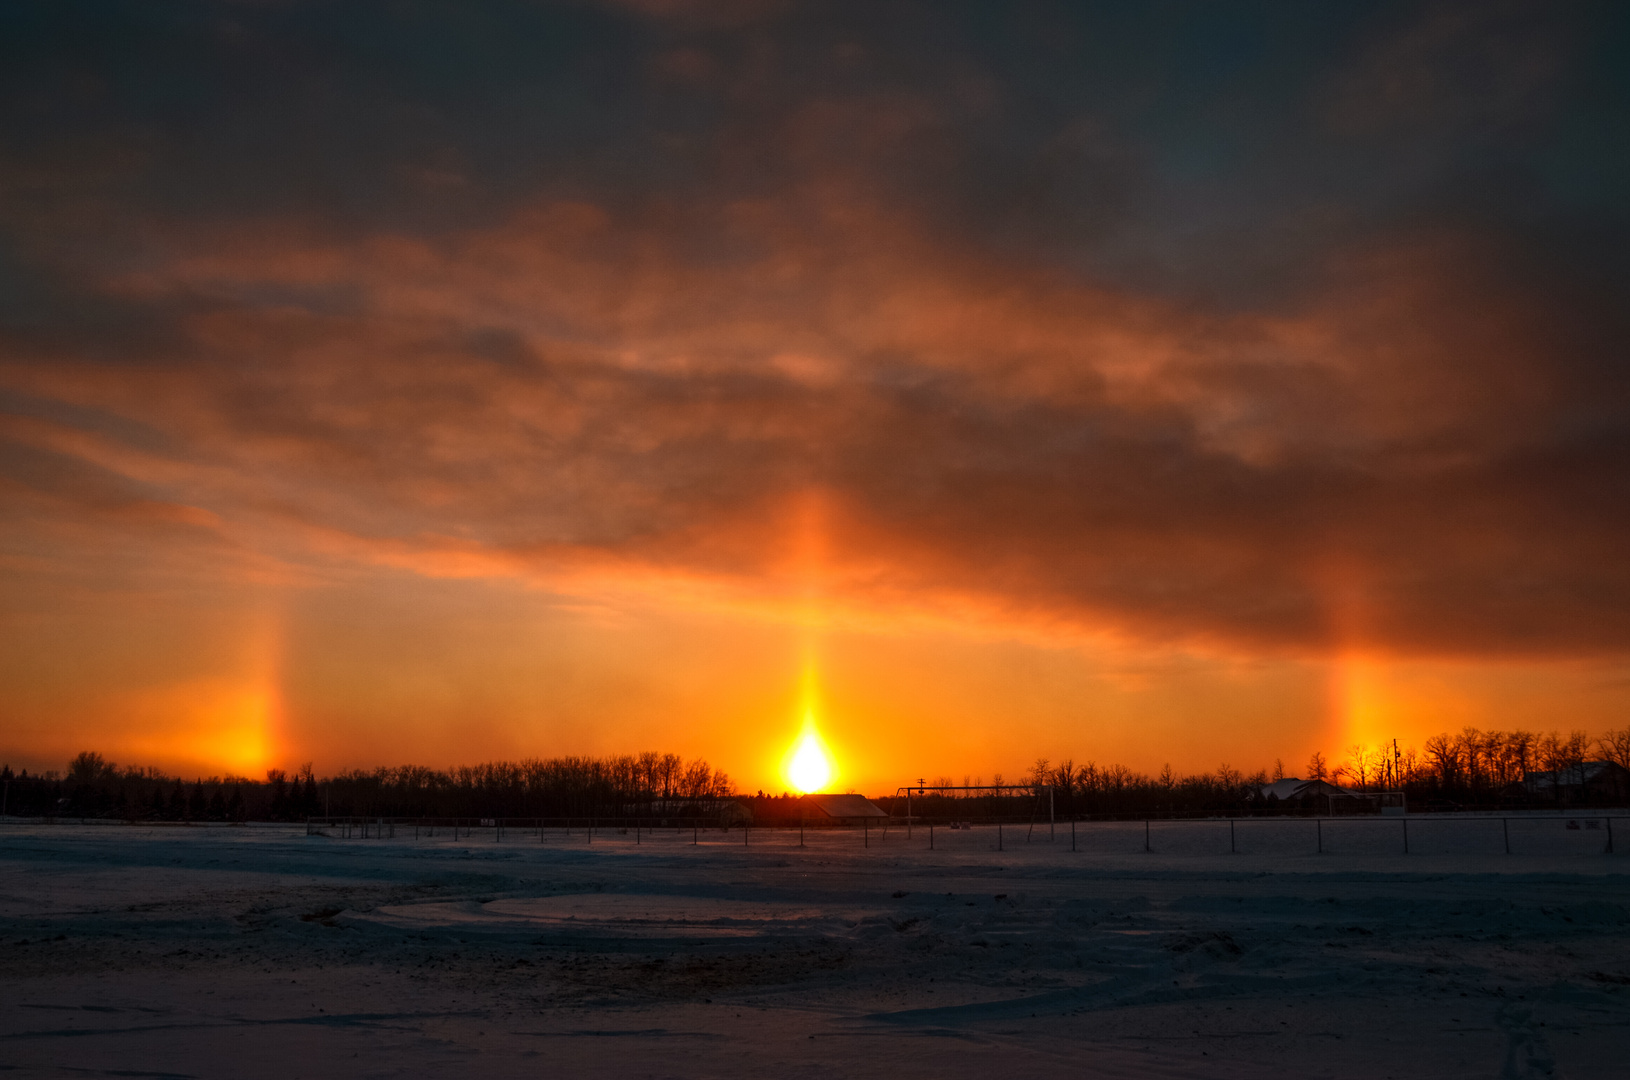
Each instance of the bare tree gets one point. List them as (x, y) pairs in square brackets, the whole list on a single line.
[(1577, 748), (1553, 755), (1615, 747), (1064, 778), (1360, 762), (1469, 756), (1444, 757), (1040, 773), (89, 767)]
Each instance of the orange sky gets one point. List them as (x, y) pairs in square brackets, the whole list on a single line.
[(397, 667), (1060, 388)]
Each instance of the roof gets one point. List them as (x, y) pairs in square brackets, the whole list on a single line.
[(1586, 772), (846, 806), (1292, 788)]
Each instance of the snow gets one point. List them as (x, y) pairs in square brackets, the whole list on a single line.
[(131, 950)]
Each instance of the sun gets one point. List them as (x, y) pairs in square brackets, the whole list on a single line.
[(810, 767)]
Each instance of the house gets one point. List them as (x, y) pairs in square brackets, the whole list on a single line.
[(1328, 797), (843, 809), (1291, 789), (1586, 782)]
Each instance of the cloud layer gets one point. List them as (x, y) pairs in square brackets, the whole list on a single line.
[(1245, 332)]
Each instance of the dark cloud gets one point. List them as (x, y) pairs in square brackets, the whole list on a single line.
[(1271, 331)]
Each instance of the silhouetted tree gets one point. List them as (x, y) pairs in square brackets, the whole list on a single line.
[(278, 779)]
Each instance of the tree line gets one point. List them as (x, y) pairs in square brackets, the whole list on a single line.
[(1472, 768), (1469, 769), (644, 784)]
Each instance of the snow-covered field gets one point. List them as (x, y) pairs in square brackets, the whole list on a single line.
[(261, 952)]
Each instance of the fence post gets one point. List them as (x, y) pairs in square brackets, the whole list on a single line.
[(1406, 835), (1231, 850), (998, 835), (1319, 823), (1052, 817), (695, 831), (1072, 832), (930, 836), (866, 832), (1610, 834), (1505, 827), (1145, 834)]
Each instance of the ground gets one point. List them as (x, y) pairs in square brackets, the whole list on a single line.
[(262, 952)]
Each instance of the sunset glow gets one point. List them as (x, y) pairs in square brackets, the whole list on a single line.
[(809, 766), (800, 492), (1038, 408)]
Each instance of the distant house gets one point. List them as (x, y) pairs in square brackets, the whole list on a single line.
[(1291, 789), (1587, 782), (1331, 798), (843, 809)]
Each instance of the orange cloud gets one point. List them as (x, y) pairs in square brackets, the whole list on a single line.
[(1128, 401), (574, 401)]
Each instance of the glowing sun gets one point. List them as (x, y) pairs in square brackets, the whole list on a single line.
[(810, 767)]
